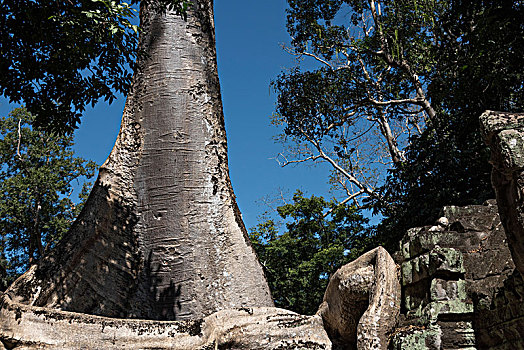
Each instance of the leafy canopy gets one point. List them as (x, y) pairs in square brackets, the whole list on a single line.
[(37, 173), (363, 94), (60, 56), (391, 98), (320, 237), (479, 67)]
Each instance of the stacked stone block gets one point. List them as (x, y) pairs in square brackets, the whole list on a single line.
[(500, 325), (460, 289), (437, 311)]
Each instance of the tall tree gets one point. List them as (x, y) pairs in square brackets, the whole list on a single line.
[(37, 174), (365, 95), (393, 99), (478, 69), (160, 236), (60, 56)]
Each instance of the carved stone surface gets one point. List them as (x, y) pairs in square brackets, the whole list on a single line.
[(362, 302), (504, 133), (28, 327), (460, 287)]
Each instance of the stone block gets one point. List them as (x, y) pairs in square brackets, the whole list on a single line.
[(472, 217), (511, 147), (442, 290), (457, 335), (410, 244), (446, 261), (445, 310), (439, 261), (417, 338), (493, 122), (449, 310), (414, 270), (504, 133), (416, 296)]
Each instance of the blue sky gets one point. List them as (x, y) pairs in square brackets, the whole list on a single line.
[(249, 38)]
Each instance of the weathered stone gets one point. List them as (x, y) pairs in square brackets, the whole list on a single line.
[(416, 295), (500, 325), (415, 270), (442, 335), (426, 240), (417, 338), (441, 290), (445, 310), (440, 225), (504, 133), (362, 302), (478, 218), (431, 300), (28, 327), (479, 308), (443, 261), (443, 221), (457, 335), (493, 122)]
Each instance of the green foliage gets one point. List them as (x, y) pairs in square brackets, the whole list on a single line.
[(37, 174), (427, 69), (479, 68), (299, 261), (60, 56), (360, 68)]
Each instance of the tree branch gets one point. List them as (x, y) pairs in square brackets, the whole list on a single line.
[(351, 197), (19, 139)]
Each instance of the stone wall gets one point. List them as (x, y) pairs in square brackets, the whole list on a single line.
[(460, 289)]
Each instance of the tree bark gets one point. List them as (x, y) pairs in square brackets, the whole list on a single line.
[(161, 236)]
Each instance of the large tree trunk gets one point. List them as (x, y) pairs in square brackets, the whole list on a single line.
[(160, 236)]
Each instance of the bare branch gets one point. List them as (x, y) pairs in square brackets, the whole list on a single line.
[(317, 58), (19, 139), (350, 177), (416, 101), (295, 161), (351, 197)]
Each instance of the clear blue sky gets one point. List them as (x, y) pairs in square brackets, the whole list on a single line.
[(249, 37)]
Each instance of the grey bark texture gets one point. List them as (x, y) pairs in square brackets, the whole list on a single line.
[(29, 327), (161, 236), (362, 302), (504, 133)]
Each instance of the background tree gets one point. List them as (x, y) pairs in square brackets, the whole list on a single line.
[(60, 56), (393, 99), (37, 176), (320, 237), (478, 68), (366, 96)]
